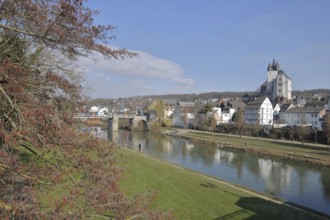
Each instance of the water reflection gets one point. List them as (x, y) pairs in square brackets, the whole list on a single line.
[(325, 180), (294, 182), (97, 132)]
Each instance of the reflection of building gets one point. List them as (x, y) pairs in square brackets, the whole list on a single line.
[(220, 155), (189, 146), (97, 132), (276, 175), (167, 146)]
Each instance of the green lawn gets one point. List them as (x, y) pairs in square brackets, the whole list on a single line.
[(190, 195)]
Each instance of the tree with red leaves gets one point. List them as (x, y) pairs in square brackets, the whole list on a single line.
[(40, 90)]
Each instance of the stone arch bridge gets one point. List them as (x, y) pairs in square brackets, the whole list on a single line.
[(112, 122), (135, 121)]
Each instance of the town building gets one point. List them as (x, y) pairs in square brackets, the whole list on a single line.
[(245, 98), (168, 111), (301, 101), (217, 114), (310, 116), (278, 84), (276, 112), (183, 116), (259, 111), (227, 114), (97, 111)]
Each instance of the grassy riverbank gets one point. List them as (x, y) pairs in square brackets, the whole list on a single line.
[(310, 153), (190, 195)]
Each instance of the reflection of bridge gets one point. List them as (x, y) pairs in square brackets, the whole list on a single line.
[(112, 121)]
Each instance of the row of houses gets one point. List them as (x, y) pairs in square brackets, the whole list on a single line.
[(185, 114), (259, 111), (262, 111)]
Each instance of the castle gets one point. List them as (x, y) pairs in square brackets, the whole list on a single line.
[(278, 84)]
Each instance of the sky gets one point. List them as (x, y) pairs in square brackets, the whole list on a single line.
[(197, 46)]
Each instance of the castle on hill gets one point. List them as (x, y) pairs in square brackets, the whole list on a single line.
[(278, 85)]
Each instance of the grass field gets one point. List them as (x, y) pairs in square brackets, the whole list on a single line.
[(189, 195)]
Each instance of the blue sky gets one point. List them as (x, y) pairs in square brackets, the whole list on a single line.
[(190, 46)]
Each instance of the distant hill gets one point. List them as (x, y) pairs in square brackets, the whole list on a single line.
[(309, 93), (140, 100)]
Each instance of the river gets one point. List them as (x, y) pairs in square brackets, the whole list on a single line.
[(291, 181)]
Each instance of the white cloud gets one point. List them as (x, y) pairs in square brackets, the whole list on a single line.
[(143, 65), (145, 74)]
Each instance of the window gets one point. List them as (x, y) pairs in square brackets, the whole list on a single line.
[(279, 90), (279, 84)]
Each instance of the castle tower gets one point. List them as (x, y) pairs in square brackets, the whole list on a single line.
[(278, 84)]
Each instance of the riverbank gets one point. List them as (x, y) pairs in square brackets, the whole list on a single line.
[(191, 195), (315, 154)]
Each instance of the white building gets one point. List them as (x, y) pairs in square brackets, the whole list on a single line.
[(93, 110), (182, 113), (103, 111), (301, 101), (227, 115), (278, 83), (259, 111), (217, 114), (304, 117), (277, 109), (97, 111), (168, 111)]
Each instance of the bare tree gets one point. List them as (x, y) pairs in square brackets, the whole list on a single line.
[(158, 106), (240, 121), (212, 122), (257, 127), (302, 131), (185, 118), (326, 128)]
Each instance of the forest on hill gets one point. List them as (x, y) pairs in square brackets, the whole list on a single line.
[(308, 94)]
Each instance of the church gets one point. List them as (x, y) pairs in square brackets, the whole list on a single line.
[(278, 85)]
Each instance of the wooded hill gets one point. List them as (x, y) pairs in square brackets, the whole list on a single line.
[(308, 94)]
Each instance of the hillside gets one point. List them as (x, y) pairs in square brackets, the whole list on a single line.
[(308, 94)]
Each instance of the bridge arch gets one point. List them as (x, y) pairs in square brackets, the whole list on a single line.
[(138, 123), (135, 122)]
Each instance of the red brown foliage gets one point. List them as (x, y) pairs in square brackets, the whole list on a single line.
[(40, 147)]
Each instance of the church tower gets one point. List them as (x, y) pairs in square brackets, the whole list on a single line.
[(278, 83)]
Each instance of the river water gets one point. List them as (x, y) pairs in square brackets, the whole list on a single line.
[(291, 181)]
